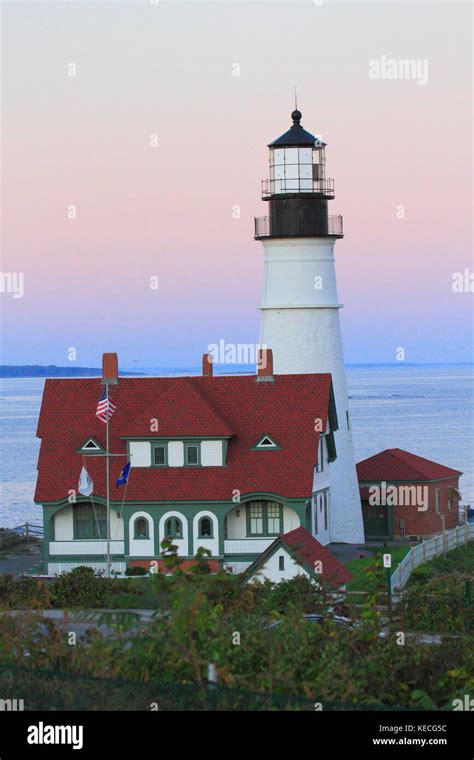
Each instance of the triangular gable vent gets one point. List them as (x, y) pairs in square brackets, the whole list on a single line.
[(91, 445), (266, 443)]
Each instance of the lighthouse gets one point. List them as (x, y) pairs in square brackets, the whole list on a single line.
[(300, 305)]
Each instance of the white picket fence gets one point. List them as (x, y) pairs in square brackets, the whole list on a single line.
[(428, 550)]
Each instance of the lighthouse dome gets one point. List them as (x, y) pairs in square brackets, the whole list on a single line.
[(296, 135)]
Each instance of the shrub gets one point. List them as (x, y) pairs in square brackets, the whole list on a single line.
[(10, 538), (136, 570), (436, 604), (6, 583), (25, 593), (81, 588)]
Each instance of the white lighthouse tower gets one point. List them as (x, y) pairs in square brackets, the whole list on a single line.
[(300, 308)]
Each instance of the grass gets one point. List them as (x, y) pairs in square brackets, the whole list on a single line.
[(460, 560), (370, 569)]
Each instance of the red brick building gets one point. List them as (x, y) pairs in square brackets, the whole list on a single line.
[(405, 495)]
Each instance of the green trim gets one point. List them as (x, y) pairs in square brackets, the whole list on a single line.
[(258, 447), (141, 538), (250, 557), (211, 523), (157, 509), (331, 446), (192, 445), (174, 531), (92, 523), (79, 499), (332, 413), (161, 445), (286, 500)]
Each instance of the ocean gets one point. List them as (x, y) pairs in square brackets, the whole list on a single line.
[(425, 409)]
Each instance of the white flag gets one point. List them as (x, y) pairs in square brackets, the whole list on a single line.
[(86, 486)]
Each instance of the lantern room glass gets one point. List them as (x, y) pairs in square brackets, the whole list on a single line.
[(297, 170)]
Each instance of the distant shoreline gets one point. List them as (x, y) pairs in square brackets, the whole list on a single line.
[(52, 370)]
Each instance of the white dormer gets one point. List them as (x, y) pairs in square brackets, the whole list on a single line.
[(175, 453)]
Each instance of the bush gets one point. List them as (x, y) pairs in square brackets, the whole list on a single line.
[(10, 538), (136, 570), (216, 619), (436, 604), (81, 588), (25, 593)]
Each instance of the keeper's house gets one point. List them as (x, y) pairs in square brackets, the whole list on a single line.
[(226, 463)]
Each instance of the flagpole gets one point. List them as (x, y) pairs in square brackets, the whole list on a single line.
[(107, 485)]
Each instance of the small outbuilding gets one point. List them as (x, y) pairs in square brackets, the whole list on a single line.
[(404, 495), (297, 553)]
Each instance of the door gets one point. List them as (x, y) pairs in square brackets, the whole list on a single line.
[(376, 520)]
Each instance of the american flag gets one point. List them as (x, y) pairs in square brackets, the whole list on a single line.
[(105, 407)]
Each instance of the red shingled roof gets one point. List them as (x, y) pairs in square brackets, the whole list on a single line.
[(309, 551), (396, 464), (237, 407)]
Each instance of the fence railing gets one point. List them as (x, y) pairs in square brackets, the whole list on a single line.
[(427, 550), (301, 186), (20, 533)]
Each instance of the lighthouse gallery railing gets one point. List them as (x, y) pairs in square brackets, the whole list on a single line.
[(265, 228)]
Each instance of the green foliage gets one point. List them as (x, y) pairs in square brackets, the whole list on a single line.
[(170, 556), (216, 619), (202, 618), (422, 700), (435, 595), (24, 593), (460, 560), (201, 566), (437, 604), (10, 538), (81, 588), (136, 570)]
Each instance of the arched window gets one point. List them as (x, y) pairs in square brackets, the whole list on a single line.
[(205, 527), (140, 528), (173, 528)]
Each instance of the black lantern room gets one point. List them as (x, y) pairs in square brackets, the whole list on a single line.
[(298, 190)]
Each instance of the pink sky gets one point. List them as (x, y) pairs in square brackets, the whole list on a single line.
[(167, 212)]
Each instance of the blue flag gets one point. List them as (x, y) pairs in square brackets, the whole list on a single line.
[(124, 475)]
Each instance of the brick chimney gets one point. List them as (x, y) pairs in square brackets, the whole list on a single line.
[(207, 368), (265, 365), (110, 368)]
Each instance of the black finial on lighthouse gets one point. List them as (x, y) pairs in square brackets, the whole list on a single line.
[(296, 116)]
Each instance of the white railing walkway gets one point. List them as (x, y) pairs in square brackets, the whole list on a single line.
[(427, 550)]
